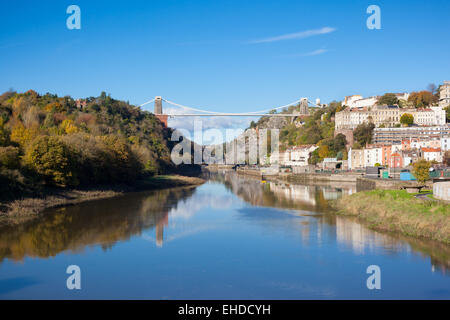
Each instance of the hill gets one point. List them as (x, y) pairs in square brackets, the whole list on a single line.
[(51, 141)]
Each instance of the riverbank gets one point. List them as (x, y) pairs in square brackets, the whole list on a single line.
[(23, 209), (400, 212)]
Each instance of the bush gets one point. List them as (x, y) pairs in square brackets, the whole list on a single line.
[(9, 157), (53, 160)]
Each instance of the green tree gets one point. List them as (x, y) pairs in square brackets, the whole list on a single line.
[(407, 119), (363, 133), (389, 99), (447, 113), (339, 143), (421, 170)]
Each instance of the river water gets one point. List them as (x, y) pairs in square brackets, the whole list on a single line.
[(234, 237)]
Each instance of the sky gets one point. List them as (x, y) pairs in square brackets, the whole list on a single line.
[(226, 56)]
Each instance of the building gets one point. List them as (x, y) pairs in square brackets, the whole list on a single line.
[(355, 159), (372, 156), (299, 155), (420, 143), (445, 143), (357, 101), (386, 152), (410, 156), (389, 136), (280, 158), (396, 160), (432, 154), (444, 95), (387, 116), (81, 103)]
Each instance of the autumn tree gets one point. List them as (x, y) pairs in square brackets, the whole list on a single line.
[(421, 170), (407, 119), (52, 160), (422, 99), (323, 152)]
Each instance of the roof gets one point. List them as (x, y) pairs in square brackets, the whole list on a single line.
[(431, 149)]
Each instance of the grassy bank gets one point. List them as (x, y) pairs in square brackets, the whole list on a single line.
[(400, 212), (25, 208)]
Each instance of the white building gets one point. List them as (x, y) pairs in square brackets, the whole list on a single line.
[(432, 154), (372, 156), (357, 101), (444, 99), (445, 143), (388, 116), (299, 155), (356, 159)]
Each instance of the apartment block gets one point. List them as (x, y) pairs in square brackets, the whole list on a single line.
[(444, 99)]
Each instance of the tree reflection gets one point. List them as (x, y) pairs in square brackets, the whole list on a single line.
[(92, 223)]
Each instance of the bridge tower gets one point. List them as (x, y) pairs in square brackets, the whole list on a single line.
[(304, 106), (159, 111)]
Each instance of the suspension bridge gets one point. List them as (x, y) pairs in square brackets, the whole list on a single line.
[(303, 103)]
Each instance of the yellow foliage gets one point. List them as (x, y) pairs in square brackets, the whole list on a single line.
[(323, 152), (69, 127), (54, 105), (23, 135)]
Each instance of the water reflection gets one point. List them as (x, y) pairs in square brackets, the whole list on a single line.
[(300, 215), (103, 223)]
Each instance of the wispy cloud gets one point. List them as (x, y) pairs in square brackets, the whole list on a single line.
[(314, 53), (307, 54), (297, 35)]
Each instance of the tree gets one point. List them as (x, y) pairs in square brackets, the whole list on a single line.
[(363, 133), (447, 113), (407, 119), (314, 158), (9, 157), (421, 170), (389, 99), (339, 143), (52, 159), (447, 158), (432, 88), (323, 152), (422, 99), (4, 134)]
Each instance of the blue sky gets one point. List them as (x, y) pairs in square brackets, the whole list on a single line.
[(209, 54)]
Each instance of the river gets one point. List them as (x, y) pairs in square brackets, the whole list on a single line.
[(234, 237)]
